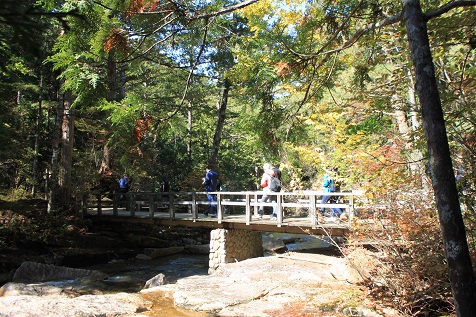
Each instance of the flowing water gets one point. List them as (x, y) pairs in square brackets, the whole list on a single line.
[(130, 275)]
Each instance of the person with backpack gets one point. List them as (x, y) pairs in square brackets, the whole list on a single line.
[(123, 185), (210, 181), (123, 189), (329, 186), (271, 182)]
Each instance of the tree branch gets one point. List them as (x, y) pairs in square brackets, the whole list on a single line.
[(442, 10), (226, 9)]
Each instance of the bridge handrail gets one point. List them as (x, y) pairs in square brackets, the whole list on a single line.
[(249, 199)]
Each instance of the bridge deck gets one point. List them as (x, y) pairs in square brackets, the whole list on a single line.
[(297, 212), (291, 224)]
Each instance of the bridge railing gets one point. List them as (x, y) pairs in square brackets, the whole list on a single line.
[(172, 202)]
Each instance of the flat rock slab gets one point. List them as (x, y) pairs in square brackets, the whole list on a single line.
[(253, 286), (118, 305)]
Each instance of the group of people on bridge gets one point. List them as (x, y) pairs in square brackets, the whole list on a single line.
[(270, 182)]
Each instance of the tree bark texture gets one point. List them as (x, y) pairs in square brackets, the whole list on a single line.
[(53, 175), (220, 122), (440, 167), (66, 162), (189, 131)]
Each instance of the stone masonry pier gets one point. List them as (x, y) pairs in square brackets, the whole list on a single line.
[(228, 245)]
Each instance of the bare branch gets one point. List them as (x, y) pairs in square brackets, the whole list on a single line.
[(388, 21), (227, 9), (455, 4)]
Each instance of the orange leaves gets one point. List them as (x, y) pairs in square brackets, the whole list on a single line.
[(141, 128), (282, 68), (116, 40), (135, 7)]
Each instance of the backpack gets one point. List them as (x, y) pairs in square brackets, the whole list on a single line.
[(334, 187), (274, 184), (123, 183)]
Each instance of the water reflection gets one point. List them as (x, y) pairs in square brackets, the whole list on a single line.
[(131, 275)]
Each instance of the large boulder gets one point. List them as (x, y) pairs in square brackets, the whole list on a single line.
[(273, 244), (198, 248), (157, 280), (30, 272), (160, 252)]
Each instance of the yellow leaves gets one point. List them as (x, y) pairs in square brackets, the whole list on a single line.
[(257, 9)]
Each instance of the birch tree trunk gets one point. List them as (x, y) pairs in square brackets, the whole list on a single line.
[(440, 167)]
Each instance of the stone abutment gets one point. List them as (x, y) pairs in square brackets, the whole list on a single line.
[(228, 246)]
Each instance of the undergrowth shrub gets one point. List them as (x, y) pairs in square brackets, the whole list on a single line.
[(411, 270)]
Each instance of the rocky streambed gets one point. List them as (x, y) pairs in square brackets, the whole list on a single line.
[(283, 284)]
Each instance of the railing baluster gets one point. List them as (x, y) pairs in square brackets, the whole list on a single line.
[(85, 204), (132, 203), (248, 208), (219, 211), (313, 211), (114, 204), (152, 205), (194, 206), (99, 205), (171, 206)]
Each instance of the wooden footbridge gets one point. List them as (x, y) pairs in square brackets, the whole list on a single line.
[(297, 212)]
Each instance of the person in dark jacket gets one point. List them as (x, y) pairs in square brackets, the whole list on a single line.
[(210, 181)]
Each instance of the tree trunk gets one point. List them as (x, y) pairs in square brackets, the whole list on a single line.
[(105, 161), (53, 175), (66, 163), (223, 103), (112, 91), (37, 139), (440, 167), (189, 131)]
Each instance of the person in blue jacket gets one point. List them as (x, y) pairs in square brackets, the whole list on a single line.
[(210, 181), (328, 185)]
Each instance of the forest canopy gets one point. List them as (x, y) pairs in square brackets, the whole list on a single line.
[(383, 92)]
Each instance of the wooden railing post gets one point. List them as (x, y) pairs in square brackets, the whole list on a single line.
[(350, 210), (248, 208), (99, 210), (194, 206), (115, 203), (219, 211), (152, 205), (313, 210), (279, 210), (171, 206), (84, 204), (132, 203)]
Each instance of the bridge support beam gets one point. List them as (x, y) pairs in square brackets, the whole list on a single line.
[(228, 245)]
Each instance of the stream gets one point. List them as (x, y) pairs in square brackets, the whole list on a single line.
[(131, 275)]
